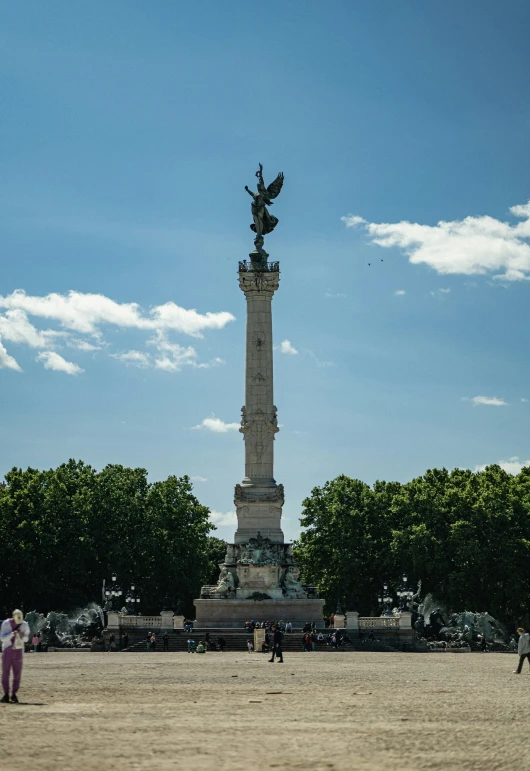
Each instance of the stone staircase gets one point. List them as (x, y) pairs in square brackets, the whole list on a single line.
[(236, 640)]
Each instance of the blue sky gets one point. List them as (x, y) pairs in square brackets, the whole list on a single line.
[(128, 133)]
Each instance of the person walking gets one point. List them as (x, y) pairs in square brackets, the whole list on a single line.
[(277, 645), (35, 642), (250, 646), (125, 640), (221, 642), (165, 639), (112, 643), (153, 641), (14, 633), (523, 649)]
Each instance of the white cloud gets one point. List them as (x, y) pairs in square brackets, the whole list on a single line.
[(329, 293), (86, 312), (82, 345), (524, 400), (56, 362), (136, 358), (221, 520), (198, 479), (400, 292), (76, 312), (287, 347), (511, 466), (491, 401), (15, 327), (8, 361), (217, 425), (473, 245), (320, 362), (440, 292), (171, 356), (352, 220)]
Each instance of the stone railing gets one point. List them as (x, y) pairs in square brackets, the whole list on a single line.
[(266, 267), (379, 622), (165, 620), (143, 622)]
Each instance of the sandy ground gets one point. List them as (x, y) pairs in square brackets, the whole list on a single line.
[(236, 711)]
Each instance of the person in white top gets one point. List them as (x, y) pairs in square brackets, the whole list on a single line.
[(523, 649), (14, 633)]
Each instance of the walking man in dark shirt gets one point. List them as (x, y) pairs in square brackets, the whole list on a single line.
[(277, 645), (165, 638)]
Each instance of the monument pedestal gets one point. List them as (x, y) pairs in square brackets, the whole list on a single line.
[(232, 613)]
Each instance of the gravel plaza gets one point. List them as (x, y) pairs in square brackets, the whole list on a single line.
[(343, 710)]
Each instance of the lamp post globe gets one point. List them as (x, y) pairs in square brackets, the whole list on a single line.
[(405, 594)]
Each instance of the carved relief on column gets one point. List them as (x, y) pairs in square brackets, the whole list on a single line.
[(244, 495), (259, 429), (259, 282)]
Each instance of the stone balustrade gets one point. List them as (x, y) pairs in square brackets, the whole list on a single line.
[(353, 622), (379, 622), (141, 622), (165, 621)]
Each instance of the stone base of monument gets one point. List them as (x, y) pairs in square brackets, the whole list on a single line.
[(232, 613)]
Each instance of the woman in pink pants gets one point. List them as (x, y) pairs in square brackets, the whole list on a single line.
[(14, 633)]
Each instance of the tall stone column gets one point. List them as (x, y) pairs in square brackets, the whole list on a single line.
[(258, 498)]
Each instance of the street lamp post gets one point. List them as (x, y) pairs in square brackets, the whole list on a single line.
[(113, 592), (405, 594), (132, 601), (385, 600)]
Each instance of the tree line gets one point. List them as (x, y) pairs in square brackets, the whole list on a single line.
[(64, 530), (465, 534)]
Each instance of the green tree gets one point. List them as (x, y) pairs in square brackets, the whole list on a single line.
[(465, 534), (344, 549), (215, 553), (178, 563), (64, 530)]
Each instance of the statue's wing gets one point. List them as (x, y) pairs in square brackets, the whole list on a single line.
[(274, 188)]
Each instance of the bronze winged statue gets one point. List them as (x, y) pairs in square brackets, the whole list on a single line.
[(264, 221)]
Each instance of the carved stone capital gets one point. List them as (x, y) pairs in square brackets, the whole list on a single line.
[(259, 283), (259, 420)]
